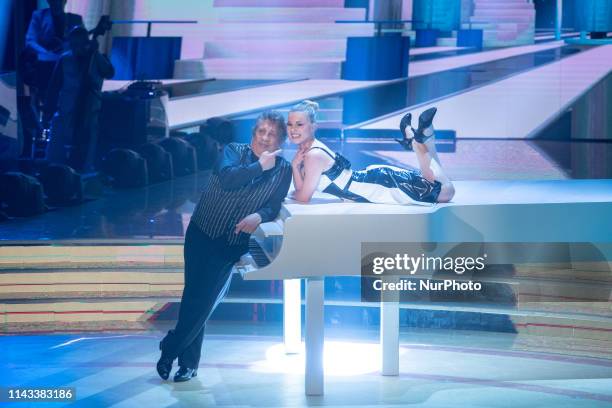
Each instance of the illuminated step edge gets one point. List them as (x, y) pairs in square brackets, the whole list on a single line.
[(279, 3), (19, 316), (80, 256)]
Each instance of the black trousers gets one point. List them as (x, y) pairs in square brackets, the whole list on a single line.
[(208, 266)]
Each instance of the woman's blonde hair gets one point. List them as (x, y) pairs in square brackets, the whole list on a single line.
[(311, 108)]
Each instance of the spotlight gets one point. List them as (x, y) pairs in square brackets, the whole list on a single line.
[(62, 185), (183, 155), (126, 168), (21, 194), (159, 162)]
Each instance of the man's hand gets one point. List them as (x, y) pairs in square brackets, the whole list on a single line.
[(267, 160), (248, 224)]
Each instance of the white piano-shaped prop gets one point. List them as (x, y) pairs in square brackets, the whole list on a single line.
[(323, 238)]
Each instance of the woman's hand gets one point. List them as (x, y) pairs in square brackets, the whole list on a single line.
[(298, 159)]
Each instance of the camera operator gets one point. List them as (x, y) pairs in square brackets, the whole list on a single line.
[(45, 43), (74, 99)]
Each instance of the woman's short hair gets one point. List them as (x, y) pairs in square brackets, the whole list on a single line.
[(310, 108), (277, 119)]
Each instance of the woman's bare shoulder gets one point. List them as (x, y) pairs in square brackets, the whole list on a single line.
[(315, 152)]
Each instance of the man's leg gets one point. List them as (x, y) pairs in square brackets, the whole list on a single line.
[(29, 123), (190, 357), (207, 271), (62, 129)]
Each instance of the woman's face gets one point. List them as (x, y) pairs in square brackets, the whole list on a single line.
[(299, 127)]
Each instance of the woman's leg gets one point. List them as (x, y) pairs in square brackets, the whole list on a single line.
[(430, 165)]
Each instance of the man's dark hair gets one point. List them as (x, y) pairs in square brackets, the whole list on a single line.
[(278, 120)]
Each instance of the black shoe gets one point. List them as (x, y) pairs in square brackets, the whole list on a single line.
[(164, 365), (404, 123), (185, 374), (425, 120)]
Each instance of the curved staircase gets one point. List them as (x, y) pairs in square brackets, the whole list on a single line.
[(504, 22)]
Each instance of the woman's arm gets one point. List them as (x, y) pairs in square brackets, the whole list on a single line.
[(296, 169), (314, 163)]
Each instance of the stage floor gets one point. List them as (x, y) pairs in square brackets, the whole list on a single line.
[(514, 170), (244, 365), (161, 212)]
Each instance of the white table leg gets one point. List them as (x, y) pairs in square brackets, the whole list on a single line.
[(389, 330), (292, 315), (314, 336)]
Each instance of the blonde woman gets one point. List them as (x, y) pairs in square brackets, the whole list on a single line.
[(316, 167)]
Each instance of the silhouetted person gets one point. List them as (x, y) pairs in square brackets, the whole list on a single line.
[(46, 41), (74, 100)]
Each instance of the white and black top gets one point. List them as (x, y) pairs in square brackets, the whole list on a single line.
[(376, 184)]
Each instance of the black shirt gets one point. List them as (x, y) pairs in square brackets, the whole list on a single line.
[(239, 187)]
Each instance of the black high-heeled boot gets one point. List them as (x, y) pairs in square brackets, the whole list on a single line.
[(404, 123), (425, 120)]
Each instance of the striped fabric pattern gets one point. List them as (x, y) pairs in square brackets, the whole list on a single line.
[(219, 210)]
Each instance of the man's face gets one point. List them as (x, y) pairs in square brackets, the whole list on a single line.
[(56, 6), (265, 138)]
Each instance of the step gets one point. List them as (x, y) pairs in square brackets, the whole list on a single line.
[(254, 15), (480, 15), (503, 6), (503, 19), (493, 25), (503, 3), (506, 37), (513, 31), (91, 282), (235, 68), (497, 43), (488, 33), (86, 310), (284, 48), (509, 12), (91, 256), (279, 3), (127, 313), (447, 42)]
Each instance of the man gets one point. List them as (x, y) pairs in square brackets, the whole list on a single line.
[(46, 41), (246, 188), (74, 101)]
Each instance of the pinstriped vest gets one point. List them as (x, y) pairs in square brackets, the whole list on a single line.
[(219, 210)]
